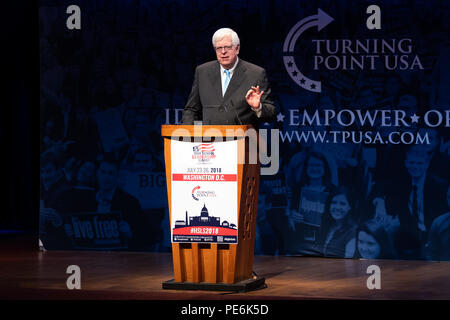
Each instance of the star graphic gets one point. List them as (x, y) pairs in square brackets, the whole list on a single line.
[(313, 86), (302, 81), (290, 64), (280, 117), (294, 73), (414, 118)]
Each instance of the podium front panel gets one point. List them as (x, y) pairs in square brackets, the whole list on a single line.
[(204, 192)]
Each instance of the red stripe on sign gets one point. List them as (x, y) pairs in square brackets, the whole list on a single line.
[(203, 177)]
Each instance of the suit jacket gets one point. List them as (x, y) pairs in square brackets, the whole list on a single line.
[(207, 104), (434, 202)]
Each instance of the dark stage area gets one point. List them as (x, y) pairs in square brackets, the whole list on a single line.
[(26, 273)]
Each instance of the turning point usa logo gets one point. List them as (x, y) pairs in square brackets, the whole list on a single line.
[(197, 193), (347, 54)]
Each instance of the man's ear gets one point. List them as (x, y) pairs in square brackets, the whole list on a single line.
[(237, 48)]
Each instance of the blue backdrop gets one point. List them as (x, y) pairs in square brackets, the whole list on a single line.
[(368, 187)]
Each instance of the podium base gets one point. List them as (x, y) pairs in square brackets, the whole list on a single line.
[(243, 286)]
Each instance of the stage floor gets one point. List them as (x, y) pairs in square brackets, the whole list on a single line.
[(26, 273)]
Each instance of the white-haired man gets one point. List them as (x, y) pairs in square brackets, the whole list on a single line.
[(229, 90)]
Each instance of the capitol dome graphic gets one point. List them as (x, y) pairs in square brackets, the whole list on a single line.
[(204, 219)]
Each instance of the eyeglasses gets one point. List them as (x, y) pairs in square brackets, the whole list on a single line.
[(226, 48)]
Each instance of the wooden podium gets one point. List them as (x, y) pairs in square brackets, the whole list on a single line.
[(218, 266)]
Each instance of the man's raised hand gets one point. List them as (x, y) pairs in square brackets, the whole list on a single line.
[(253, 97)]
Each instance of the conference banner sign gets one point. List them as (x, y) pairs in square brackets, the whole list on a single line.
[(204, 192), (353, 131)]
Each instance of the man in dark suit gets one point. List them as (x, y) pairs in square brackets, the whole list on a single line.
[(230, 90), (417, 199)]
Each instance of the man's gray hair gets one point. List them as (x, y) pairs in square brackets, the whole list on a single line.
[(224, 32)]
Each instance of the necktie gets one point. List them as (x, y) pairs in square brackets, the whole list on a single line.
[(227, 81)]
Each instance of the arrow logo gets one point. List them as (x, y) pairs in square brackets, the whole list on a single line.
[(193, 192), (321, 20)]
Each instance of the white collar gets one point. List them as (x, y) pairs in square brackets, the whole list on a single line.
[(102, 195), (420, 182), (222, 69)]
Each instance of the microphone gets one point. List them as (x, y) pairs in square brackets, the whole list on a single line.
[(235, 111)]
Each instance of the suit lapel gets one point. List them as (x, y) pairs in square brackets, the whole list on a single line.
[(236, 80), (214, 76)]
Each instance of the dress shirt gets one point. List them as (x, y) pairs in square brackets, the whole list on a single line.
[(223, 76)]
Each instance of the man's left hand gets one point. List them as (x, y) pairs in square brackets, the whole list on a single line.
[(253, 97)]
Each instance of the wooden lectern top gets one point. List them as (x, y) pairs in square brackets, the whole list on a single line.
[(204, 131)]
